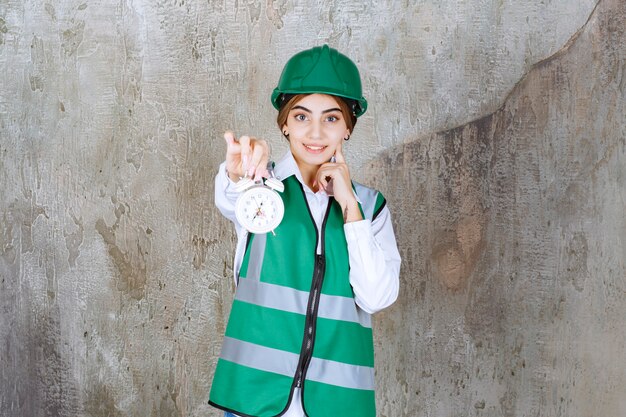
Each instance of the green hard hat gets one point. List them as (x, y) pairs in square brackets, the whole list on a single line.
[(321, 70)]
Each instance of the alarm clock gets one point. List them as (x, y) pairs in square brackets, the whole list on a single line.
[(259, 208)]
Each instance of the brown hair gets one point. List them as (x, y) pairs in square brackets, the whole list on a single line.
[(291, 101)]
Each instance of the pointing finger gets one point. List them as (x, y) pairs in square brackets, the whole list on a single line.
[(244, 141), (229, 137), (257, 161), (339, 154), (232, 147)]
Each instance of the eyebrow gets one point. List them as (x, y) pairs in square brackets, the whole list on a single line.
[(309, 111)]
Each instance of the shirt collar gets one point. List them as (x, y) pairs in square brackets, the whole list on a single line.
[(286, 167)]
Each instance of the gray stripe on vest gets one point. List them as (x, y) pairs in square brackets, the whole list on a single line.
[(285, 363), (341, 374), (255, 259), (294, 301), (368, 199), (343, 308), (259, 357)]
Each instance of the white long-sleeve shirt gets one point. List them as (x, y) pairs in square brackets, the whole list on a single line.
[(372, 249)]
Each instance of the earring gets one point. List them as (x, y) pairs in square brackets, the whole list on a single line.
[(347, 138), (286, 134)]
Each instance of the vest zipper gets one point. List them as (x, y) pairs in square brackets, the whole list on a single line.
[(310, 323), (311, 316)]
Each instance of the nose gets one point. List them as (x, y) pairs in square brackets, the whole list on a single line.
[(316, 130)]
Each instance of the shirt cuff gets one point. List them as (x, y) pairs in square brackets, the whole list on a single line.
[(357, 230), (227, 185)]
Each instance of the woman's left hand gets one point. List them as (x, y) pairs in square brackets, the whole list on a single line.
[(336, 175)]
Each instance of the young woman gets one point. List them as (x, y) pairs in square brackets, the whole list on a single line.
[(299, 336)]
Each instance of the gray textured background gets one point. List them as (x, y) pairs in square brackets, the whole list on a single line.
[(496, 129)]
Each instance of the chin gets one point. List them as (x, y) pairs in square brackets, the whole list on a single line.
[(317, 159)]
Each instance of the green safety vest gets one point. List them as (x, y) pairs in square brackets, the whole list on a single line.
[(294, 321)]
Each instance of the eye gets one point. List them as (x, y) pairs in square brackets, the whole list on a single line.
[(333, 117), (300, 117)]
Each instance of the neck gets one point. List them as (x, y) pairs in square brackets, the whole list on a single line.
[(308, 173)]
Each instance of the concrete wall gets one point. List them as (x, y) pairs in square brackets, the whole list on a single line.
[(496, 129), (513, 234)]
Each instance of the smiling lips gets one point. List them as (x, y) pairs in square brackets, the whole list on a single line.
[(315, 149)]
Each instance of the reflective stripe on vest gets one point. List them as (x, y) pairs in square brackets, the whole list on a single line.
[(267, 348), (281, 362), (253, 291)]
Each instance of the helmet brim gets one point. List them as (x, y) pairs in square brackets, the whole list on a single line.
[(277, 102)]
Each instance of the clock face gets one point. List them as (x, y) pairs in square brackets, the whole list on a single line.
[(259, 209)]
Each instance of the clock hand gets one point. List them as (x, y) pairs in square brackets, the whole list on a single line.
[(259, 212)]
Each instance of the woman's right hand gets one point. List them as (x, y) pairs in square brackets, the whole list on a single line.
[(246, 156)]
